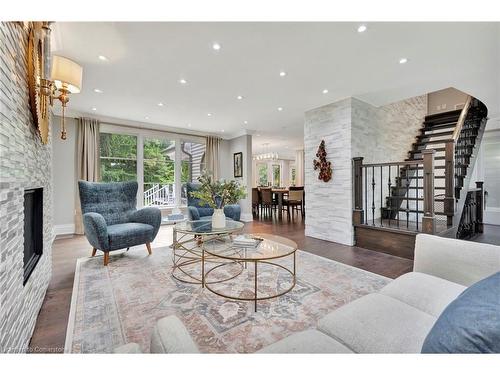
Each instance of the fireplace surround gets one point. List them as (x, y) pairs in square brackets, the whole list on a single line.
[(33, 230)]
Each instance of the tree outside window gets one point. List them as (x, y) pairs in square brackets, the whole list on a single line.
[(276, 175), (118, 154), (262, 174)]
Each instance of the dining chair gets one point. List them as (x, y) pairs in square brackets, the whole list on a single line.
[(295, 202), (267, 201), (255, 202)]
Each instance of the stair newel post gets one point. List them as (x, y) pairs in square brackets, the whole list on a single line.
[(428, 220), (479, 206), (449, 181), (358, 214)]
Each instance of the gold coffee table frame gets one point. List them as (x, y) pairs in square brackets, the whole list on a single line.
[(188, 238), (240, 257)]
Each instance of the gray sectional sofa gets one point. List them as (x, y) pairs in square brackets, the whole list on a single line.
[(394, 320)]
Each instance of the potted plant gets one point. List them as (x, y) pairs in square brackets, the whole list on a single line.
[(217, 194)]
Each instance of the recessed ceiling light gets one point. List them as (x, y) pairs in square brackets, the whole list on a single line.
[(403, 60), (258, 135), (99, 91), (280, 109), (282, 73), (362, 29), (239, 97), (160, 104), (245, 122), (102, 58), (94, 108), (147, 117), (216, 46), (182, 81), (325, 91), (209, 114), (222, 130), (189, 125)]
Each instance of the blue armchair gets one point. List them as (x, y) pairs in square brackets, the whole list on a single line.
[(199, 212), (111, 220)]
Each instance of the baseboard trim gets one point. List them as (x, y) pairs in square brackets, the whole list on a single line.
[(63, 229)]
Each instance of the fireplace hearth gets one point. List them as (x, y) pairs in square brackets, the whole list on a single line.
[(33, 230)]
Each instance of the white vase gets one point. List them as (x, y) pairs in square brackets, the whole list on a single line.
[(218, 218)]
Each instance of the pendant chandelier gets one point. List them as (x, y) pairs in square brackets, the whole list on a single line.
[(266, 155)]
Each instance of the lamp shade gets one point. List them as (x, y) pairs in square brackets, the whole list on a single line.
[(66, 74)]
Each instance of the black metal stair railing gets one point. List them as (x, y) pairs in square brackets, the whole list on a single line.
[(395, 194)]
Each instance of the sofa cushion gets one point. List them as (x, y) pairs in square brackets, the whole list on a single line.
[(377, 323), (425, 292), (171, 336), (129, 234), (471, 323), (310, 341)]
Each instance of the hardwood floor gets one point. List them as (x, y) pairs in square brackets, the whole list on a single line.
[(50, 330)]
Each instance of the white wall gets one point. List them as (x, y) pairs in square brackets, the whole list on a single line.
[(227, 149), (445, 100), (64, 159)]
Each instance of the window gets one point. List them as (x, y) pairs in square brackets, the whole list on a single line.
[(276, 175), (159, 172), (118, 154), (293, 176), (152, 160), (262, 174), (192, 165)]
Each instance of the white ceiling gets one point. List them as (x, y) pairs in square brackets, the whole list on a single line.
[(147, 60)]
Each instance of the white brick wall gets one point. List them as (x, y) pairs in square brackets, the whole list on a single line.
[(24, 163)]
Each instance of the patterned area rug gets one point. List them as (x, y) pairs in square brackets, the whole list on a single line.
[(121, 303)]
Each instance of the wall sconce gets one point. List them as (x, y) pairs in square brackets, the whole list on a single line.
[(65, 78)]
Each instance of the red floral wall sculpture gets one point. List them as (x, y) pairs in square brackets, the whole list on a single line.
[(324, 166)]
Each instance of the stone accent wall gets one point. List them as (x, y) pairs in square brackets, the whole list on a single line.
[(352, 128), (329, 205), (24, 163)]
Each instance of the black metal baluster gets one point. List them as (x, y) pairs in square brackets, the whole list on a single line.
[(381, 202), (373, 195), (416, 197), (390, 196), (398, 204), (407, 196), (366, 195)]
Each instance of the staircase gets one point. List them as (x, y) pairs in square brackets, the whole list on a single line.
[(428, 191)]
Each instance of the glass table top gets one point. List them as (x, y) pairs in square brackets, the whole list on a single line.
[(205, 227), (269, 247)]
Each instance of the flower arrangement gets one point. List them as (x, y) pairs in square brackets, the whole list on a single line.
[(217, 194)]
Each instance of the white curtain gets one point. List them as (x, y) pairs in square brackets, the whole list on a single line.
[(299, 165), (87, 160), (212, 156)]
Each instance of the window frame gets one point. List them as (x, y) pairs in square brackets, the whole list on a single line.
[(143, 134)]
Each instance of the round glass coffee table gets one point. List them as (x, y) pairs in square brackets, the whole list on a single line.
[(271, 252), (188, 239)]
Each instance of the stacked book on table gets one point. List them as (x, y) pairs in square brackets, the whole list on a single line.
[(246, 241)]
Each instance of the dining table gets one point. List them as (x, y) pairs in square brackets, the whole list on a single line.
[(280, 192)]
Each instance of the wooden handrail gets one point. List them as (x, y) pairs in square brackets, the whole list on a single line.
[(461, 119), (409, 162)]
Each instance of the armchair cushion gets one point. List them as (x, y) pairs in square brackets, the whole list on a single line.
[(147, 215), (129, 234), (233, 211), (96, 230), (193, 213)]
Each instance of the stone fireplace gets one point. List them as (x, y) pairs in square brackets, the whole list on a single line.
[(25, 163)]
